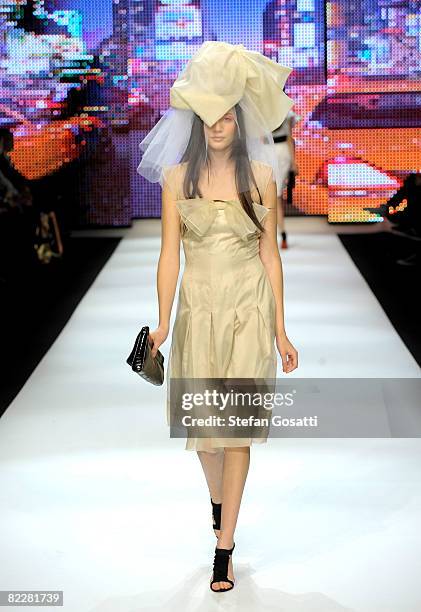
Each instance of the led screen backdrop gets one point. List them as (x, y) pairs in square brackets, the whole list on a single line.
[(82, 81)]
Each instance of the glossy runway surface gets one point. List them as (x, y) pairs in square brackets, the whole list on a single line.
[(98, 502)]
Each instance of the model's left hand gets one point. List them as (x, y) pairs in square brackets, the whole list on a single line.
[(288, 353)]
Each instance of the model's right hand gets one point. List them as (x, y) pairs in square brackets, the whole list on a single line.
[(156, 338)]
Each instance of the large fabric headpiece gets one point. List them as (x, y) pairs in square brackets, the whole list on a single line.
[(217, 77), (220, 74)]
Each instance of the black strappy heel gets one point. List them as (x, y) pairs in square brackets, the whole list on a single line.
[(216, 515), (220, 568)]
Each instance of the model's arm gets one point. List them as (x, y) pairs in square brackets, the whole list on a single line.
[(168, 266), (271, 259), (269, 254)]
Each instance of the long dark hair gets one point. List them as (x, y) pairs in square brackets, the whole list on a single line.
[(195, 156)]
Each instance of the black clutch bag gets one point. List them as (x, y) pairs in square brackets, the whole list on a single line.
[(142, 362)]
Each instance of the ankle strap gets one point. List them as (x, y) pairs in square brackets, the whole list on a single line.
[(224, 551), (216, 512)]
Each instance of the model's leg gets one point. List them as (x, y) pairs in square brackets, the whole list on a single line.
[(281, 223), (284, 160), (213, 465), (280, 212), (236, 466)]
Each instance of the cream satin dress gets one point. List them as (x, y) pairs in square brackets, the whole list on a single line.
[(225, 318)]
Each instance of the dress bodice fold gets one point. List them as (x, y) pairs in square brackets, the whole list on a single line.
[(198, 214)]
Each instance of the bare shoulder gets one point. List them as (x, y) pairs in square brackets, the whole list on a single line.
[(262, 173), (174, 176), (172, 171), (175, 169), (261, 167)]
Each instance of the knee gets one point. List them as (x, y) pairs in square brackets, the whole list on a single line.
[(207, 453), (237, 449)]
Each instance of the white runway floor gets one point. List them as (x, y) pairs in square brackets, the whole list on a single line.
[(98, 502)]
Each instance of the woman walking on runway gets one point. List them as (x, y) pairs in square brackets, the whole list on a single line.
[(285, 150), (220, 182)]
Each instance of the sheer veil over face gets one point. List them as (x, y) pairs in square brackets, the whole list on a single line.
[(168, 142), (222, 133)]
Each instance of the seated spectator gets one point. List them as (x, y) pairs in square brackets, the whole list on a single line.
[(409, 195), (17, 216)]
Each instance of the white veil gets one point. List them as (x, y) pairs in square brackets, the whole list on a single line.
[(255, 83)]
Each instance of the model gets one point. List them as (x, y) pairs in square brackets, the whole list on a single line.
[(285, 147), (220, 184)]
